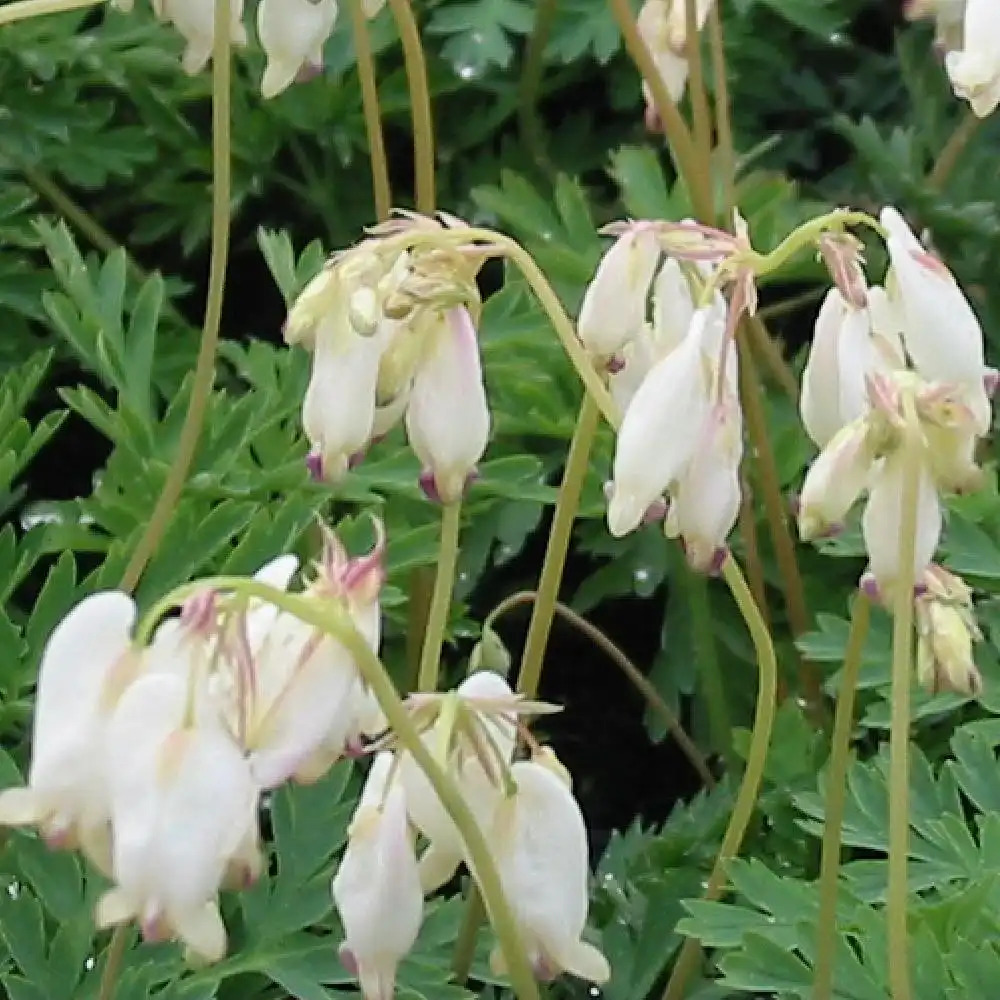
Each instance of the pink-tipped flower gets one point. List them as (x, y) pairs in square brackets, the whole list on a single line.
[(292, 34), (377, 888), (941, 332), (614, 305), (448, 419), (840, 357), (881, 522), (338, 412), (662, 427)]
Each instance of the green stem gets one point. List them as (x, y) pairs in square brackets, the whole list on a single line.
[(769, 350), (952, 152), (723, 118), (23, 9), (746, 798), (836, 788), (420, 104), (701, 121), (370, 105), (807, 234), (751, 555), (335, 622), (444, 582), (113, 962), (567, 505), (76, 215), (204, 371), (638, 679), (774, 507), (706, 656), (899, 722), (468, 935), (532, 134), (682, 147)]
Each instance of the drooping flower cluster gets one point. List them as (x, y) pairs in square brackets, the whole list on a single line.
[(392, 336), (525, 809), (882, 358), (968, 34), (663, 27), (151, 760), (291, 32), (675, 377)]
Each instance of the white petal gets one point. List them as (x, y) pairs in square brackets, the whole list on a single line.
[(290, 32), (377, 887), (659, 433), (941, 332), (835, 480), (338, 412), (539, 842), (673, 307), (707, 498), (975, 70), (882, 519), (614, 305), (448, 420)]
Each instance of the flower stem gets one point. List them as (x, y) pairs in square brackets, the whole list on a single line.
[(952, 152), (75, 214), (568, 503), (444, 582), (369, 102), (836, 787), (682, 147), (334, 622), (420, 104), (701, 121), (723, 118), (204, 372), (774, 507), (637, 678), (113, 962), (899, 721), (468, 935), (532, 134), (23, 9), (751, 557), (746, 798)]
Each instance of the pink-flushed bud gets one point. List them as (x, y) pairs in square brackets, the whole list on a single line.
[(292, 34), (338, 412), (835, 480), (941, 332), (833, 381), (975, 68), (448, 419), (661, 428), (881, 522), (614, 305)]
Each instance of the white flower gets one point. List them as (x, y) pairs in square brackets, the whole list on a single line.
[(338, 412), (881, 522), (182, 799), (662, 426), (377, 888), (840, 356), (87, 663), (941, 332), (975, 69), (448, 419), (663, 27), (480, 787), (835, 480), (292, 33), (539, 844), (195, 20), (614, 305)]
